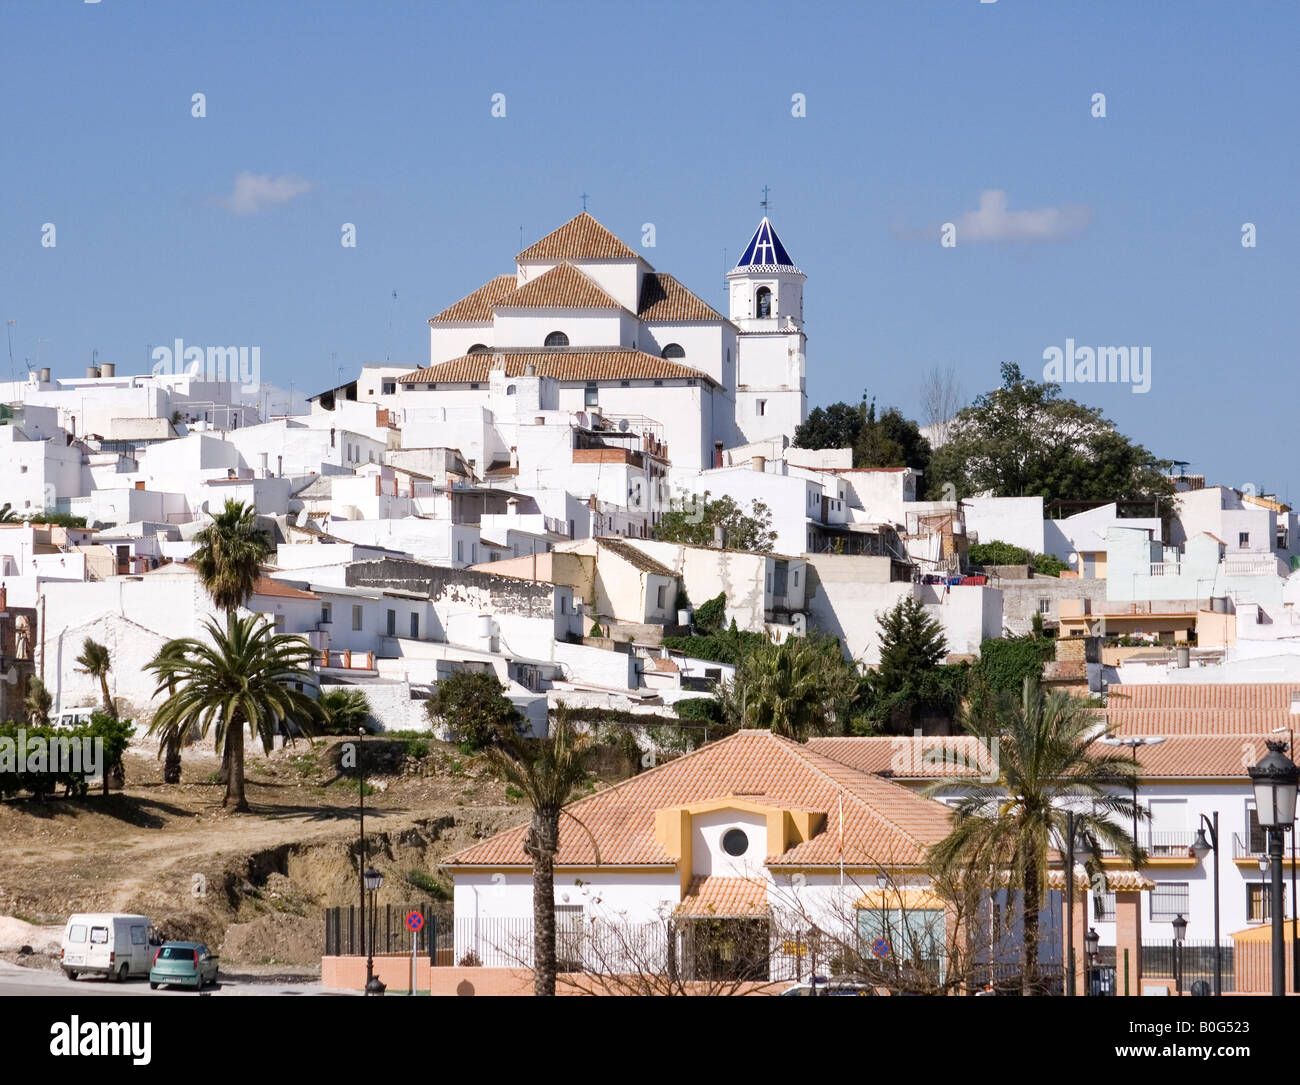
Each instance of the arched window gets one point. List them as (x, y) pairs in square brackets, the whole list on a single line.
[(763, 302), (477, 348), (557, 339), (510, 389), (674, 350)]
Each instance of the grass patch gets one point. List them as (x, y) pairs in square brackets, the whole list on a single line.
[(422, 880)]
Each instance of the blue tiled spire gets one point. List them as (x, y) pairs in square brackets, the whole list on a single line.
[(765, 249)]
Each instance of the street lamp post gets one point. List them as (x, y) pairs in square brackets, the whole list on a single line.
[(372, 880), (1092, 940), (1295, 933), (1275, 779), (1132, 742), (1180, 932), (1201, 847)]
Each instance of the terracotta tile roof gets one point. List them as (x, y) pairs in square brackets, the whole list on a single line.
[(266, 586), (581, 238), (477, 307), (563, 287), (1185, 708), (1123, 880), (905, 757), (662, 663), (634, 557), (665, 300), (618, 363), (884, 822), (1216, 756), (716, 896)]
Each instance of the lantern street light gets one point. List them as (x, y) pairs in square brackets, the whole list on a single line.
[(1201, 847), (1295, 933), (1275, 779), (372, 880), (1180, 932)]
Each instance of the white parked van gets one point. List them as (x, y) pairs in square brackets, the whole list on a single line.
[(108, 944)]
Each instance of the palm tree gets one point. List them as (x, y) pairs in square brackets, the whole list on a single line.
[(794, 688), (7, 514), (37, 703), (246, 675), (171, 738), (95, 661), (1042, 747), (547, 771), (230, 555), (229, 561), (345, 711)]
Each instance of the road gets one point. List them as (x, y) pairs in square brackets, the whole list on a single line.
[(18, 981)]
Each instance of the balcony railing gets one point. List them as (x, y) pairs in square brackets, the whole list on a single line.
[(347, 660), (1166, 568), (1249, 846), (1160, 845), (1261, 564)]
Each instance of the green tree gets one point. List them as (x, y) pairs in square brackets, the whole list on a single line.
[(115, 735), (1041, 747), (1005, 662), (548, 771), (796, 688), (244, 675), (710, 614), (890, 440), (836, 426), (473, 704), (1025, 439), (911, 678), (692, 519), (344, 711), (96, 662)]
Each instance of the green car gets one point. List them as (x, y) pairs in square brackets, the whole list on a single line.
[(183, 963)]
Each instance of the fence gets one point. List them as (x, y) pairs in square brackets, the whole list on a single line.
[(388, 932), (1195, 961)]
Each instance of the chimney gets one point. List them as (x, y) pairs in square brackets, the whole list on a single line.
[(4, 599), (759, 463), (108, 369), (530, 370), (514, 456), (717, 453), (264, 456), (92, 371), (45, 375)]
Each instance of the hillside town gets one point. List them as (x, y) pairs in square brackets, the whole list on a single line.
[(605, 507)]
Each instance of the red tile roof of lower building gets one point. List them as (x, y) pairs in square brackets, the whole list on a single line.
[(711, 895), (884, 824)]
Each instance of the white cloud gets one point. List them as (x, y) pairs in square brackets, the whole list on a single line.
[(993, 222), (254, 192)]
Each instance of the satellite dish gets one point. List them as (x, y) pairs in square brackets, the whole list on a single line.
[(1074, 559), (11, 676), (623, 425), (301, 521)]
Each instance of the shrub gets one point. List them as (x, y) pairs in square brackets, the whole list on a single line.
[(1049, 565), (699, 708), (998, 553), (710, 615), (1005, 663), (474, 706)]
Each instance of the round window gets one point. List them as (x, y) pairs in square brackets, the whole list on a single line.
[(735, 842)]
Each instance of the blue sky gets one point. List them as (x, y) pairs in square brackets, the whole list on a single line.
[(677, 115)]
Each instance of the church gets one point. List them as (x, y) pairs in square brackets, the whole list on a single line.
[(585, 324)]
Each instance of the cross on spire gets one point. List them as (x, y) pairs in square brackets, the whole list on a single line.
[(584, 201), (763, 203)]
